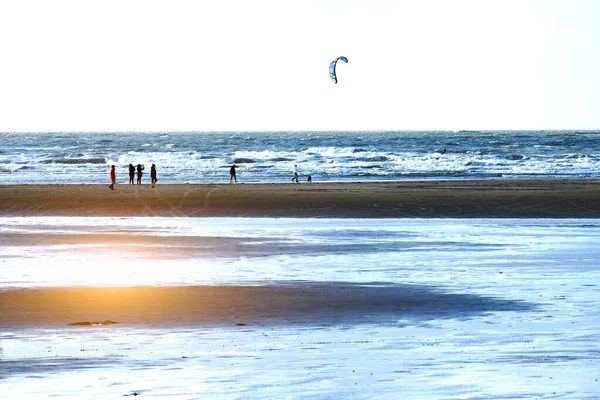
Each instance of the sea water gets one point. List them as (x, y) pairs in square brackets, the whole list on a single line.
[(197, 157), (496, 308), (71, 251)]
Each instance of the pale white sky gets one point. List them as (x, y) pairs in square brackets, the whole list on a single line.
[(263, 65)]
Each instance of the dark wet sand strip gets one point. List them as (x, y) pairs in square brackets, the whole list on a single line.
[(299, 302), (501, 198)]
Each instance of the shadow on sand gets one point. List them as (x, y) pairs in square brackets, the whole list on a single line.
[(289, 302)]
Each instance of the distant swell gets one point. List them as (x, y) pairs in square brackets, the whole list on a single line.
[(99, 160), (243, 161), (205, 157)]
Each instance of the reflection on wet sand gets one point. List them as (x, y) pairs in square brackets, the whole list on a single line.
[(301, 302)]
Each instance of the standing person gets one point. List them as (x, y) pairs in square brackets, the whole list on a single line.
[(140, 168), (153, 174), (232, 176), (113, 177), (131, 173), (295, 178)]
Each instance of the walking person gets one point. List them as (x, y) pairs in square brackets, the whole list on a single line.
[(131, 173), (232, 177), (113, 177), (295, 177), (140, 168), (153, 175)]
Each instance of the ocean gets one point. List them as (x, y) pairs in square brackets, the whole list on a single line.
[(205, 157)]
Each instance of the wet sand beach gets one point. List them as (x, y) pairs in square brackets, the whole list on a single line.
[(415, 289), (263, 308), (535, 198)]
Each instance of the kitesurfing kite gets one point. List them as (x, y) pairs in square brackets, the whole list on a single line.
[(332, 74)]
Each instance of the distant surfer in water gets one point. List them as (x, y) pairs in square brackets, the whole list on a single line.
[(437, 155)]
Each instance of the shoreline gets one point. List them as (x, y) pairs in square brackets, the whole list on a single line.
[(491, 198)]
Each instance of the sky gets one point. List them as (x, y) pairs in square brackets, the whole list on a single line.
[(230, 65)]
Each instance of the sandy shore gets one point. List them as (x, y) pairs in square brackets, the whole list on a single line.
[(462, 199)]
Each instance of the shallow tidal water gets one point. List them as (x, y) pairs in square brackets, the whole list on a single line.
[(357, 308)]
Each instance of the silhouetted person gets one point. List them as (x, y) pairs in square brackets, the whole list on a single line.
[(309, 179), (153, 174), (232, 176), (131, 173), (140, 168), (113, 177)]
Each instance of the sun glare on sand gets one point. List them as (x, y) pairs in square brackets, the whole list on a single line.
[(115, 252), (110, 265)]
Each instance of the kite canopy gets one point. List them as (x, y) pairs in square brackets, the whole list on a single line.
[(332, 73)]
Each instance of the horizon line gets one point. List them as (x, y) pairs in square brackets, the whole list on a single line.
[(308, 131)]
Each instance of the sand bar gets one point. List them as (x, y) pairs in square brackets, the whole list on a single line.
[(535, 198)]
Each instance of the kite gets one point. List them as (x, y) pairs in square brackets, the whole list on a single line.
[(332, 74)]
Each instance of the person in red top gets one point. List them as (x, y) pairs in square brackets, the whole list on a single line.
[(113, 177)]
